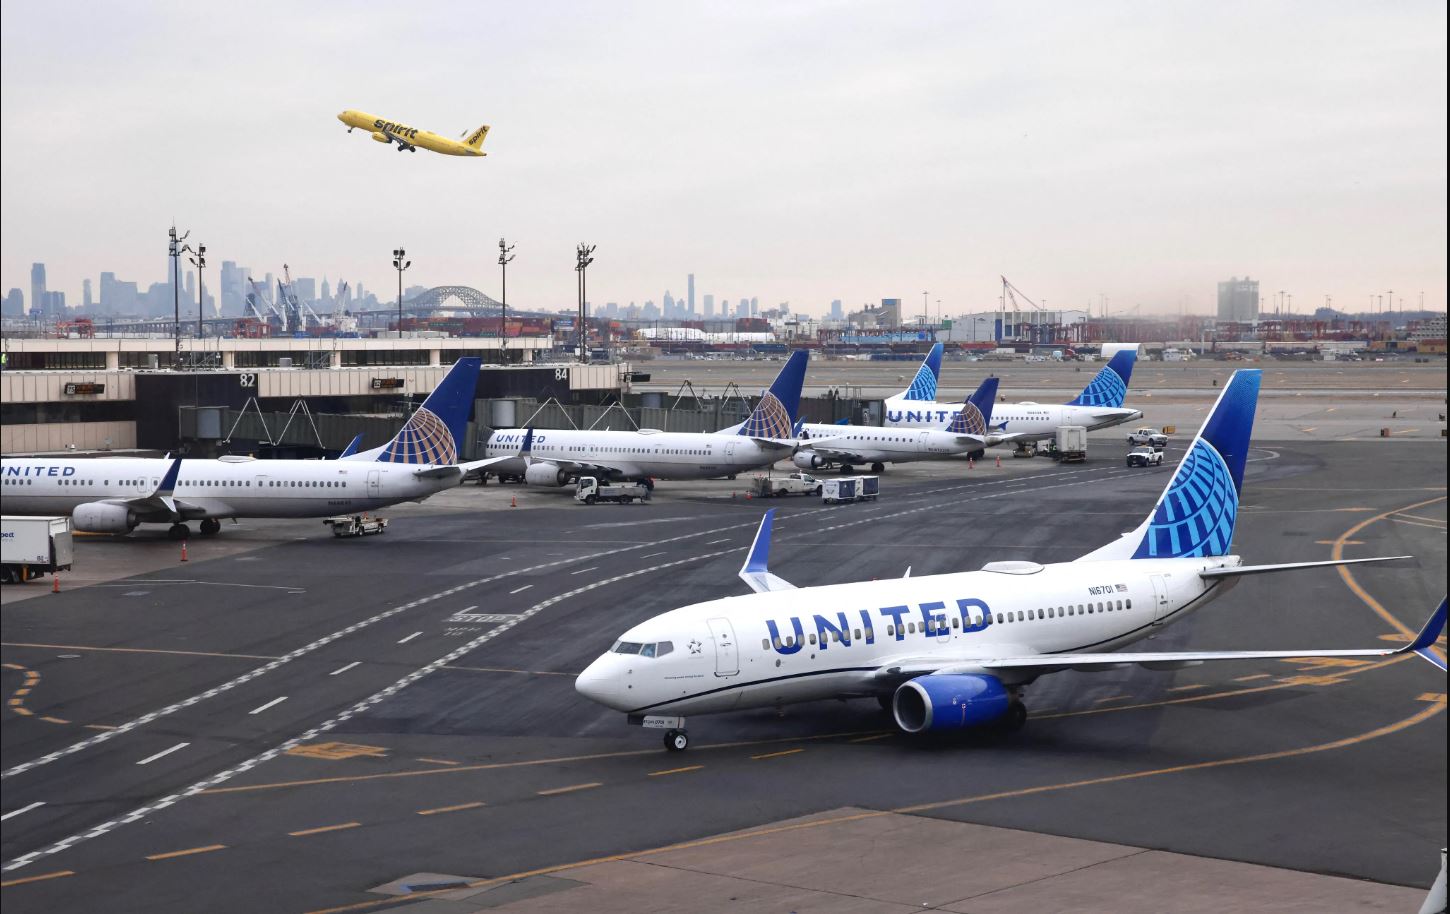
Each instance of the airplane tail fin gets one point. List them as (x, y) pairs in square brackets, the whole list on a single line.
[(776, 413), (923, 386), (1196, 513), (1109, 387), (976, 414), (435, 432), (475, 139)]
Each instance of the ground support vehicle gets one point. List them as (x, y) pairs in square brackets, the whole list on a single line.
[(356, 524), (591, 491), (777, 486), (32, 546), (1072, 443), (1145, 457), (849, 488), (1147, 435)]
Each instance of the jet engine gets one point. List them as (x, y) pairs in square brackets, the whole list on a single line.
[(545, 474), (807, 460), (382, 138), (951, 702), (99, 517)]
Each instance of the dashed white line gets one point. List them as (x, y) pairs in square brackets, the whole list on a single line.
[(345, 668), (274, 702), (651, 555), (24, 809), (713, 542), (410, 637), (151, 758), (520, 589), (582, 570)]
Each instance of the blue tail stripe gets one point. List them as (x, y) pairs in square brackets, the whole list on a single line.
[(928, 376), (1109, 387), (1196, 514), (435, 431), (976, 413)]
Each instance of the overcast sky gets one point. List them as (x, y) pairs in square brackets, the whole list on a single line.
[(794, 151)]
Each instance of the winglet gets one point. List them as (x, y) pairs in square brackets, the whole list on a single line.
[(756, 572), (526, 447), (923, 386), (1427, 637), (168, 482), (351, 448)]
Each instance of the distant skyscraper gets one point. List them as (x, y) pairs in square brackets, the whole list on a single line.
[(836, 312), (691, 293), (14, 304), (37, 286), (233, 287), (326, 290), (754, 306), (709, 305), (1238, 300), (743, 309), (86, 301)]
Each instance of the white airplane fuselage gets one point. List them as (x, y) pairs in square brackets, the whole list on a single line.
[(237, 487), (1028, 421), (784, 646), (638, 455), (873, 444)]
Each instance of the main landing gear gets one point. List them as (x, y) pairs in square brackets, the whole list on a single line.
[(878, 468), (211, 527), (178, 532), (677, 740)]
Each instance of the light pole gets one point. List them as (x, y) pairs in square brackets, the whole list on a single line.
[(582, 260), (400, 265), (923, 310), (174, 250), (198, 260), (505, 254)]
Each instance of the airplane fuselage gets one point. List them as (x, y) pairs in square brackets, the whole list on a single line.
[(1029, 421), (388, 131), (779, 647), (238, 487), (872, 444), (638, 455)]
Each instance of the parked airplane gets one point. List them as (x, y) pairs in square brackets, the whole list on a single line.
[(952, 651), (554, 457), (1100, 405), (849, 445), (410, 138), (115, 494)]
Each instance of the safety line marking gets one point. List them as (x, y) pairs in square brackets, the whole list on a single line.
[(164, 752), (776, 754), (324, 828), (555, 791), (188, 852), (457, 808), (656, 774), (274, 702), (345, 668), (22, 810)]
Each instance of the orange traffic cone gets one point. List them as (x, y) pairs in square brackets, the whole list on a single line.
[(999, 462), (55, 582), (971, 463), (749, 495), (514, 501), (183, 550)]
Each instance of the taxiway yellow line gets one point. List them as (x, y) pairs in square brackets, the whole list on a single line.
[(132, 650), (658, 774), (555, 791), (783, 752), (442, 809), (41, 878), (324, 828), (187, 853)]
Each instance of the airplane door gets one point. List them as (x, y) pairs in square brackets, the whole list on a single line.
[(921, 441), (1160, 598), (375, 484), (727, 661), (730, 453)]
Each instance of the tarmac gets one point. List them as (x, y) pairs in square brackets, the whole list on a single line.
[(292, 722)]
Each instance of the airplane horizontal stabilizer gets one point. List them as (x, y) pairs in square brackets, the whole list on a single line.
[(1290, 566)]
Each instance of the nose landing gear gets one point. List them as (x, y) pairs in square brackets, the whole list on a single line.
[(677, 740)]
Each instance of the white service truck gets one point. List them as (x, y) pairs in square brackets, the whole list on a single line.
[(32, 546), (849, 488), (794, 484), (1071, 443), (592, 491)]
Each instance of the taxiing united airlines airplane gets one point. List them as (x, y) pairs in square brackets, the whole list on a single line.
[(849, 445), (115, 494), (1100, 404), (410, 138), (555, 457), (948, 652)]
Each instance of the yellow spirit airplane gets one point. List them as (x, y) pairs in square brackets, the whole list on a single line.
[(410, 138)]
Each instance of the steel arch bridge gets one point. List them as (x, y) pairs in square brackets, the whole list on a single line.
[(466, 298)]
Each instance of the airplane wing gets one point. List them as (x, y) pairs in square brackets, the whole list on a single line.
[(823, 447), (1158, 660), (755, 571), (459, 469), (159, 501)]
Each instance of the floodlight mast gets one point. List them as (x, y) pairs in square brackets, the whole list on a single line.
[(174, 250), (198, 260), (582, 260), (400, 265), (505, 255)]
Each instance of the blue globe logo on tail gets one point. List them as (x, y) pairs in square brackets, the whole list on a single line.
[(769, 420), (775, 414), (1195, 517), (1110, 386), (968, 421), (923, 386), (424, 439)]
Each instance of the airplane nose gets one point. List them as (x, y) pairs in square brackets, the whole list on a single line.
[(592, 683)]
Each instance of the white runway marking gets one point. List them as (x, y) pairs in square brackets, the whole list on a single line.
[(345, 669), (651, 555), (410, 637), (515, 590), (151, 758), (582, 570), (24, 809), (713, 542), (275, 701)]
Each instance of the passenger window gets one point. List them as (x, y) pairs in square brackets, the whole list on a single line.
[(778, 645), (956, 623), (890, 630), (765, 644), (870, 635), (911, 627), (999, 618), (858, 634), (1020, 615), (813, 639), (1030, 617), (1130, 602)]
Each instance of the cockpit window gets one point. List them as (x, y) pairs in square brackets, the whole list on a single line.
[(646, 650), (658, 649), (663, 648), (626, 647)]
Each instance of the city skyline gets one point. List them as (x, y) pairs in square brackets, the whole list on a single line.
[(788, 159)]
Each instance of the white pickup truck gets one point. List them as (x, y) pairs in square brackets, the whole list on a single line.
[(1147, 436), (777, 486)]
